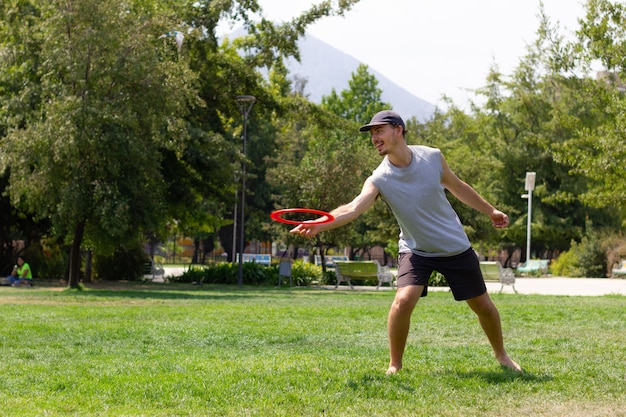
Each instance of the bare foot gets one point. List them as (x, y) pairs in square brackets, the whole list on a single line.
[(393, 369), (510, 364)]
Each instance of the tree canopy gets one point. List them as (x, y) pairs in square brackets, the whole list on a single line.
[(118, 124)]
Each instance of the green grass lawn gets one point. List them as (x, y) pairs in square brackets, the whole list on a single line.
[(182, 350)]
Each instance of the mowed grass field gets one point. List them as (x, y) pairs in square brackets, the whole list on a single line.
[(183, 350)]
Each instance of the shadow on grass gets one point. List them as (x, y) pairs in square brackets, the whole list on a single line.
[(503, 376), (173, 291), (373, 383), (379, 385)]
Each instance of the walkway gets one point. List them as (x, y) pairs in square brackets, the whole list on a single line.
[(544, 286)]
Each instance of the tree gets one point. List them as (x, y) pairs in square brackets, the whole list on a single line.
[(597, 151), (326, 161), (360, 101), (89, 158), (231, 69)]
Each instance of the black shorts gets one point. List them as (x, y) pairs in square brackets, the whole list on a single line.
[(461, 271)]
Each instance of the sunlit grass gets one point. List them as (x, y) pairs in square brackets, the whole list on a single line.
[(178, 350)]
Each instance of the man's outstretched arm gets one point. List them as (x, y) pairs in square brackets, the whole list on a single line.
[(342, 214), (465, 193)]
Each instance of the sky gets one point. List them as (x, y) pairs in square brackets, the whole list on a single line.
[(435, 47)]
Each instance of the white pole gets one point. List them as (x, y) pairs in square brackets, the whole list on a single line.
[(530, 208), (529, 186)]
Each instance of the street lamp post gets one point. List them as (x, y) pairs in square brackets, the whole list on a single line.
[(529, 186), (245, 104)]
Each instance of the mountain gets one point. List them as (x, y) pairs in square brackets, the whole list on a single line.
[(325, 67)]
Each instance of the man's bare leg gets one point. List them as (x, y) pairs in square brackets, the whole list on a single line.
[(398, 323), (489, 319)]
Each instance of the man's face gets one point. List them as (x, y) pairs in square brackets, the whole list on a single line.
[(385, 137)]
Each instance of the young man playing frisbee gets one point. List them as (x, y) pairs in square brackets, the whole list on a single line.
[(412, 180)]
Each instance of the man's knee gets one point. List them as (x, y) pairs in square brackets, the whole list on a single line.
[(482, 305), (406, 298)]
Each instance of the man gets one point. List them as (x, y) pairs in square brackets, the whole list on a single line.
[(411, 180)]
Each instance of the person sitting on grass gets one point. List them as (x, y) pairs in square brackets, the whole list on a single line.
[(21, 275)]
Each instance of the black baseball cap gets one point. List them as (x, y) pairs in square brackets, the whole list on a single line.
[(385, 117)]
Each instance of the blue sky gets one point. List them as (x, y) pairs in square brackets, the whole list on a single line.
[(435, 47)]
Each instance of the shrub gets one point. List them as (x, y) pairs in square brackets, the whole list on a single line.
[(566, 265), (584, 259), (303, 273), (126, 264), (437, 280), (328, 277), (615, 248), (228, 273)]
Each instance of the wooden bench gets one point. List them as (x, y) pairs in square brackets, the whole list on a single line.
[(620, 268), (493, 271), (534, 265), (366, 270)]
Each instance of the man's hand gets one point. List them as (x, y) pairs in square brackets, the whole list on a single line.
[(306, 229), (499, 219)]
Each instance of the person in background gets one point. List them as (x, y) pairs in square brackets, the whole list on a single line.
[(21, 275)]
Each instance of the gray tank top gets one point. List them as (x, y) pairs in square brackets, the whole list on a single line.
[(429, 226)]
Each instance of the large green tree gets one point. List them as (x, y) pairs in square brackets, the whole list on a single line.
[(360, 101), (109, 98), (597, 151), (236, 70)]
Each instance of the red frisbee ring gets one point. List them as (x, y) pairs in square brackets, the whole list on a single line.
[(277, 216)]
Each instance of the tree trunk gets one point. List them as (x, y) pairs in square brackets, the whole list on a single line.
[(75, 256), (196, 250), (88, 265)]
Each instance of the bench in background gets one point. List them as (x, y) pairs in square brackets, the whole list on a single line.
[(153, 272), (365, 270), (330, 260), (620, 268), (260, 258), (534, 265), (493, 271)]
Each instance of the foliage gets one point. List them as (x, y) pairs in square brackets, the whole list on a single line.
[(586, 258), (360, 101), (123, 264), (567, 265), (303, 273), (228, 273), (615, 247), (46, 259), (110, 134), (437, 280), (136, 125), (89, 156)]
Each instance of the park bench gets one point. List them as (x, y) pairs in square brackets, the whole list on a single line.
[(620, 268), (259, 258), (153, 272), (330, 260), (534, 265), (365, 270), (493, 271)]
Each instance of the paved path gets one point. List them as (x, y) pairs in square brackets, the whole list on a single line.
[(564, 286), (545, 286)]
